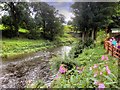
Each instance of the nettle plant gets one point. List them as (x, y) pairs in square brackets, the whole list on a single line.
[(93, 75)]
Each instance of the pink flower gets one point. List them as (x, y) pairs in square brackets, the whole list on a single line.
[(95, 74), (103, 57), (62, 69), (110, 40), (77, 67), (79, 71), (95, 66), (100, 73), (90, 68), (108, 70), (96, 82), (101, 85), (106, 58), (57, 76)]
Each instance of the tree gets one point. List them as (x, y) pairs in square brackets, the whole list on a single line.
[(89, 16), (69, 22), (49, 19), (17, 13)]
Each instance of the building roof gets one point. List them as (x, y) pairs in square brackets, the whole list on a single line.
[(115, 30)]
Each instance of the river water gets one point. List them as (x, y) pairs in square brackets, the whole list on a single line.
[(20, 72)]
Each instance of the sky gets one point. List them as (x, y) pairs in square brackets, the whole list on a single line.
[(64, 8)]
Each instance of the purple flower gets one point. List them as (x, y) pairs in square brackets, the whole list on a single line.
[(62, 69), (57, 76), (96, 82), (95, 66), (103, 57), (101, 85), (100, 73), (106, 58), (108, 70), (79, 71), (95, 74)]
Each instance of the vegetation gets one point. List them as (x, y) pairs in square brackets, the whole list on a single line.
[(33, 26), (91, 69), (17, 47), (46, 17), (90, 16)]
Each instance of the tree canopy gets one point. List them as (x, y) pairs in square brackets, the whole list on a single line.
[(92, 15), (34, 16)]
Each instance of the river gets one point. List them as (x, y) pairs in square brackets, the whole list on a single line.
[(20, 72)]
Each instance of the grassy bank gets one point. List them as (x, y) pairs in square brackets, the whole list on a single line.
[(15, 48), (91, 69), (19, 47)]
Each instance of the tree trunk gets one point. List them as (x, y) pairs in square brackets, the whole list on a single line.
[(43, 28), (15, 17), (16, 30), (93, 35), (83, 36)]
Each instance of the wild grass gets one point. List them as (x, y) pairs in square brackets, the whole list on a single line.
[(17, 46), (86, 77)]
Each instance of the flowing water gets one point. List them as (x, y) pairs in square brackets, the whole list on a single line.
[(21, 72)]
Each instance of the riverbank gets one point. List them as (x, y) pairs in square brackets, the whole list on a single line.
[(18, 47), (28, 71), (90, 69)]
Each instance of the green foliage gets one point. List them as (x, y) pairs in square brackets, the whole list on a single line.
[(66, 37), (79, 47), (93, 15), (23, 30), (57, 61), (49, 19), (37, 84), (16, 47), (101, 36), (18, 13), (86, 79)]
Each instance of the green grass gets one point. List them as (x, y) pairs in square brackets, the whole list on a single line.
[(17, 47), (66, 37), (86, 79), (12, 48)]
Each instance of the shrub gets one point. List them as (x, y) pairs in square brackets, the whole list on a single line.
[(79, 47)]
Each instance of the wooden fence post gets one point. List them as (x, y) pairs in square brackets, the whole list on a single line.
[(107, 47), (112, 50)]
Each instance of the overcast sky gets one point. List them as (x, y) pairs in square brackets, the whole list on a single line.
[(64, 8)]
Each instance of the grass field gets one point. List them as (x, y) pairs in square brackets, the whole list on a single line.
[(13, 47)]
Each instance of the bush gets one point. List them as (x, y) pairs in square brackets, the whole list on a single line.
[(79, 47), (57, 61), (33, 34), (8, 33)]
